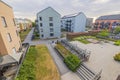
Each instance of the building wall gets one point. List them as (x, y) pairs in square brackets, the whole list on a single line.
[(80, 23), (45, 14), (89, 22), (7, 12), (105, 21)]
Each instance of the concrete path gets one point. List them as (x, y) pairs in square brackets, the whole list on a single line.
[(60, 64), (70, 76), (28, 38)]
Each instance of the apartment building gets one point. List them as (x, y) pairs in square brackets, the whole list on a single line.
[(89, 22), (23, 24), (74, 22), (48, 21), (107, 22), (9, 37)]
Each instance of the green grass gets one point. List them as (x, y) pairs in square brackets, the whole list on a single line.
[(38, 65), (117, 43), (27, 69), (24, 34)]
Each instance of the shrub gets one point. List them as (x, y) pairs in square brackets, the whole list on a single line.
[(117, 43), (103, 34), (72, 61), (117, 57)]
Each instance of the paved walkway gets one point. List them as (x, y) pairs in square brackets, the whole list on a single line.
[(28, 38)]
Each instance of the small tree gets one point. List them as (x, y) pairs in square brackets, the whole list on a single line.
[(117, 30)]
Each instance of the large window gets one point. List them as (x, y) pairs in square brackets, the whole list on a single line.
[(41, 30), (9, 37), (42, 35), (50, 24), (51, 34), (40, 18), (4, 22), (17, 32), (51, 29), (41, 25), (14, 21), (50, 18)]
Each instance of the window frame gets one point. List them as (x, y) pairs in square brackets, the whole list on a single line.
[(50, 24), (4, 21), (50, 18), (9, 37), (40, 18)]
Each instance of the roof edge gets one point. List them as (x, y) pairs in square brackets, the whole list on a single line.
[(47, 8), (5, 3)]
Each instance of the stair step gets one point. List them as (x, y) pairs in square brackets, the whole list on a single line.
[(89, 72), (82, 75)]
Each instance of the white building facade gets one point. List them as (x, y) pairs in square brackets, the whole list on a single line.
[(48, 21), (74, 22)]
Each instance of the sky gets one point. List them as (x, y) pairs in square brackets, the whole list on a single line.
[(91, 8)]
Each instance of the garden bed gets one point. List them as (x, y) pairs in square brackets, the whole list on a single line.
[(38, 65), (71, 60), (84, 39)]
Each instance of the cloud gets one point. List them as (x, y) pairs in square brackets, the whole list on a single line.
[(92, 8)]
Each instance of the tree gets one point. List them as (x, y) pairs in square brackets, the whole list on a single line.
[(33, 24), (117, 30)]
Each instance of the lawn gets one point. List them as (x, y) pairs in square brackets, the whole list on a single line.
[(24, 34), (38, 65)]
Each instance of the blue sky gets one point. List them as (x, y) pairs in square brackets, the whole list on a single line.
[(91, 8)]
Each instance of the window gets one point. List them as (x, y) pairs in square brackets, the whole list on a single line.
[(40, 18), (4, 22), (50, 24), (50, 18), (51, 29), (17, 32), (14, 21), (9, 37), (41, 30), (41, 25), (51, 34), (42, 35), (14, 50)]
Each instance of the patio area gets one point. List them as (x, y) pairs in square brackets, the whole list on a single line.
[(101, 58)]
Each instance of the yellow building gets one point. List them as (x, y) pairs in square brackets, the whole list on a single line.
[(9, 37)]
